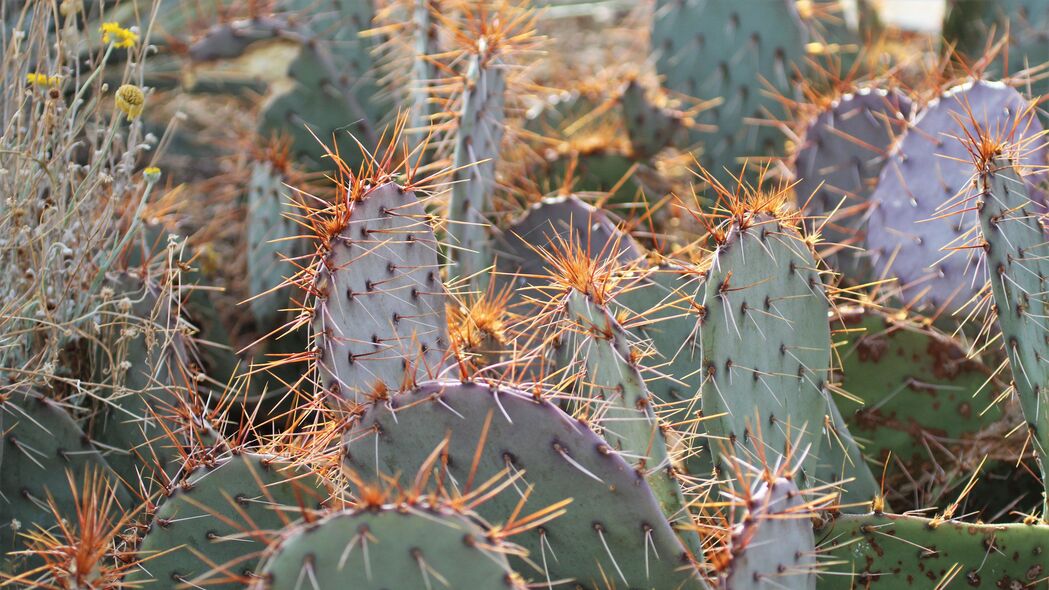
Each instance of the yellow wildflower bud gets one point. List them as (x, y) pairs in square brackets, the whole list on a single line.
[(131, 100), (118, 35), (151, 174)]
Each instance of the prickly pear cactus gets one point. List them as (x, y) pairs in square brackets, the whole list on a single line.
[(211, 528), (335, 90), (774, 546), (44, 457), (487, 429), (915, 384), (920, 209), (553, 220), (614, 388), (379, 316), (666, 302), (890, 551), (424, 72), (650, 126), (417, 546), (268, 223), (766, 344), (968, 25), (844, 465), (478, 138), (837, 165), (740, 54), (1018, 269)]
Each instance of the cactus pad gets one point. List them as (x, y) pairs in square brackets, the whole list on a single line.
[(774, 546), (741, 54), (927, 176), (614, 388), (837, 165), (478, 138), (335, 90), (379, 316), (267, 226), (389, 547), (558, 455), (915, 383), (1019, 276), (766, 344), (888, 551), (42, 448), (212, 528)]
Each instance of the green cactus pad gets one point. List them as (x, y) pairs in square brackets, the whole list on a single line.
[(650, 127), (614, 389), (213, 527), (666, 300), (740, 54), (390, 547), (336, 92), (379, 318), (41, 448), (766, 344), (1019, 275), (889, 551), (774, 546), (477, 143), (613, 529), (267, 225), (914, 383)]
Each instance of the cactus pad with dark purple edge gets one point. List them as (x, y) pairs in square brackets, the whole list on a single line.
[(766, 346), (1018, 269), (562, 458), (212, 528), (388, 547), (928, 175), (550, 221), (774, 545), (909, 552), (741, 54), (478, 137), (837, 165), (379, 318), (42, 446)]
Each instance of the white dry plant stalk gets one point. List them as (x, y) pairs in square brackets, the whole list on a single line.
[(72, 187)]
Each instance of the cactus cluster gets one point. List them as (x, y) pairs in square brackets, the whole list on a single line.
[(692, 294)]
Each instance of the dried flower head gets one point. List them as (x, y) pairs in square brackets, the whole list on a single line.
[(131, 100)]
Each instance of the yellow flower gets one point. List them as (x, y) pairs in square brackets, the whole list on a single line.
[(131, 100), (152, 174), (37, 79), (118, 35)]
